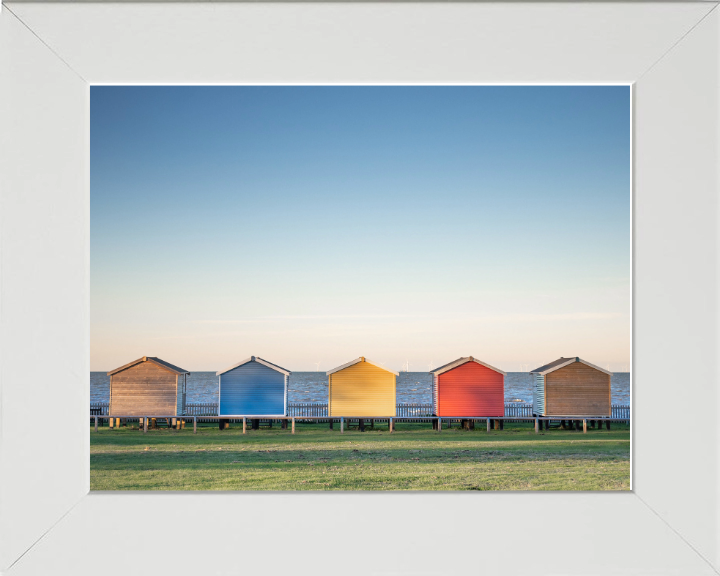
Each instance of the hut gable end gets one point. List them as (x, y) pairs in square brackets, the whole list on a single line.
[(361, 388), (577, 389), (469, 388), (253, 387), (143, 389)]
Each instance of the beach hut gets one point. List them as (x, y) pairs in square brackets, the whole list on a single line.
[(468, 387), (571, 387), (361, 388), (253, 387), (148, 386)]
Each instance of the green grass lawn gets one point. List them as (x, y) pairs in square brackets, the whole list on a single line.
[(414, 457)]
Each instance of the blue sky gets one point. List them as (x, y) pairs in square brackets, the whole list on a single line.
[(318, 224)]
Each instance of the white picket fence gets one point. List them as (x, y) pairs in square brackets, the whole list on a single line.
[(320, 409)]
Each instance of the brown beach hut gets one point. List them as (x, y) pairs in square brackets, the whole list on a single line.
[(148, 386), (571, 387)]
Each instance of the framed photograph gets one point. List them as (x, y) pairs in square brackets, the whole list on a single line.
[(54, 55), (327, 217)]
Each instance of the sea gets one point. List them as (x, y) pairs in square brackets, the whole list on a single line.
[(412, 387)]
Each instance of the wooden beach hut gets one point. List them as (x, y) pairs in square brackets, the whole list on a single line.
[(361, 388), (571, 387), (148, 386), (253, 387), (468, 387)]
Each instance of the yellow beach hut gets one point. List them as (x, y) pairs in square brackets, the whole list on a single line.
[(361, 389)]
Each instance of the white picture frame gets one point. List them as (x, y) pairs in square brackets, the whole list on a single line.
[(50, 53)]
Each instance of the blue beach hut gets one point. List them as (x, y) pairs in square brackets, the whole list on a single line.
[(253, 387)]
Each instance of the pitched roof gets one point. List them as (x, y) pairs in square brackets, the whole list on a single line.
[(156, 360), (460, 362), (361, 359), (561, 362), (255, 359)]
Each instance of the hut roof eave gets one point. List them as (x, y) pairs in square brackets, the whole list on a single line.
[(459, 362), (171, 367), (260, 361), (562, 362), (356, 361)]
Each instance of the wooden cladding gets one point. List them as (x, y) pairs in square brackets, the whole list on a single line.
[(144, 389), (253, 388), (362, 389), (470, 389), (577, 390)]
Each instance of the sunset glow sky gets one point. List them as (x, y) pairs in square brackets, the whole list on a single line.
[(313, 225)]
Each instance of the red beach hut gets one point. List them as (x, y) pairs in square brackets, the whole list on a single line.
[(468, 387)]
